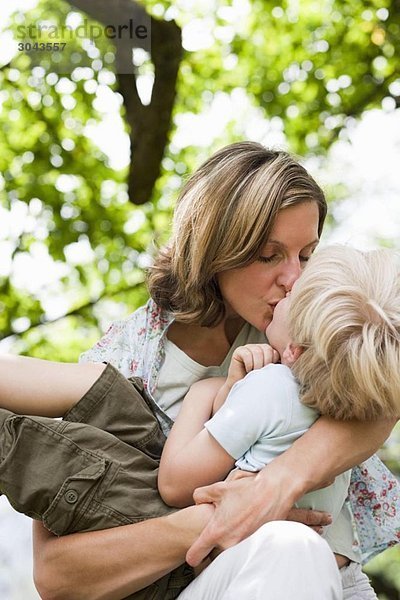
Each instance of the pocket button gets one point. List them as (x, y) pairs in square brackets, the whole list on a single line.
[(71, 496)]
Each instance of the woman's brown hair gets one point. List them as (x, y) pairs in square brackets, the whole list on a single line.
[(222, 220)]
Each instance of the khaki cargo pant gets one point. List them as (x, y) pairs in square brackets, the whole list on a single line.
[(95, 469)]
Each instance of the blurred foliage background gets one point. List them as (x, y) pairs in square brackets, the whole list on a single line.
[(91, 159)]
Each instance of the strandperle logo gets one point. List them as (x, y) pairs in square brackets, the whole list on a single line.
[(62, 47), (47, 31)]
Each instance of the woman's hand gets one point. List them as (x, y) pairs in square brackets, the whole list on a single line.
[(309, 517), (247, 358), (243, 503)]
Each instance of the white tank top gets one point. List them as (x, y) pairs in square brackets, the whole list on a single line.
[(179, 371)]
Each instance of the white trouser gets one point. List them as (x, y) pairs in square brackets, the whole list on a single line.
[(356, 585), (283, 560)]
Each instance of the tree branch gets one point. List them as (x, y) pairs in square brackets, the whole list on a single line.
[(115, 12), (375, 92), (149, 125), (75, 311)]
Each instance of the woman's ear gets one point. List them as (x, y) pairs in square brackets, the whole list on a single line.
[(291, 353)]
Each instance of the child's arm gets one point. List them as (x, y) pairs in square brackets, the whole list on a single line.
[(191, 456), (39, 387)]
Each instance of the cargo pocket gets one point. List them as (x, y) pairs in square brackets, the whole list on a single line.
[(74, 497)]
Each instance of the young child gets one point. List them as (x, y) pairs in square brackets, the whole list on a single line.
[(338, 335)]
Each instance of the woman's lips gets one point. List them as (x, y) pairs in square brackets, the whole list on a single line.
[(273, 305)]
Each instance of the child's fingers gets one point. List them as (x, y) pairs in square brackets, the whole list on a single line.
[(270, 354), (245, 357), (261, 355), (255, 356)]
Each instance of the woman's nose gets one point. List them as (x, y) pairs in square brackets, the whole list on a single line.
[(291, 271)]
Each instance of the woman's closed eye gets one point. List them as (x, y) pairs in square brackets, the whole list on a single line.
[(269, 259), (276, 257)]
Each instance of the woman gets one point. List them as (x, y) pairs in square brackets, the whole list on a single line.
[(245, 224)]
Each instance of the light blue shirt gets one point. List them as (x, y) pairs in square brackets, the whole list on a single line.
[(261, 418)]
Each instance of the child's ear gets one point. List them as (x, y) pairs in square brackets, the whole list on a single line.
[(291, 353)]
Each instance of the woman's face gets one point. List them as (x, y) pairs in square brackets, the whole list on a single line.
[(252, 292)]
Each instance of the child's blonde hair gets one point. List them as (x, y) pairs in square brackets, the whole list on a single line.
[(345, 312)]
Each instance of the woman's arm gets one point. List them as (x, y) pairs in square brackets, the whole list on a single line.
[(191, 457), (44, 388), (243, 505), (113, 563)]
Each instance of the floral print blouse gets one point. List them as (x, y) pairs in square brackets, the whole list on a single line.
[(135, 346)]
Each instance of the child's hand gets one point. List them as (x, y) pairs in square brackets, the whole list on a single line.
[(250, 357)]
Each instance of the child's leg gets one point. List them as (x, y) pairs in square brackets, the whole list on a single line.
[(32, 386), (73, 476), (76, 477), (120, 407)]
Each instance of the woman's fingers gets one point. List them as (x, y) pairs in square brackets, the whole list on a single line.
[(315, 519), (239, 474), (209, 493)]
